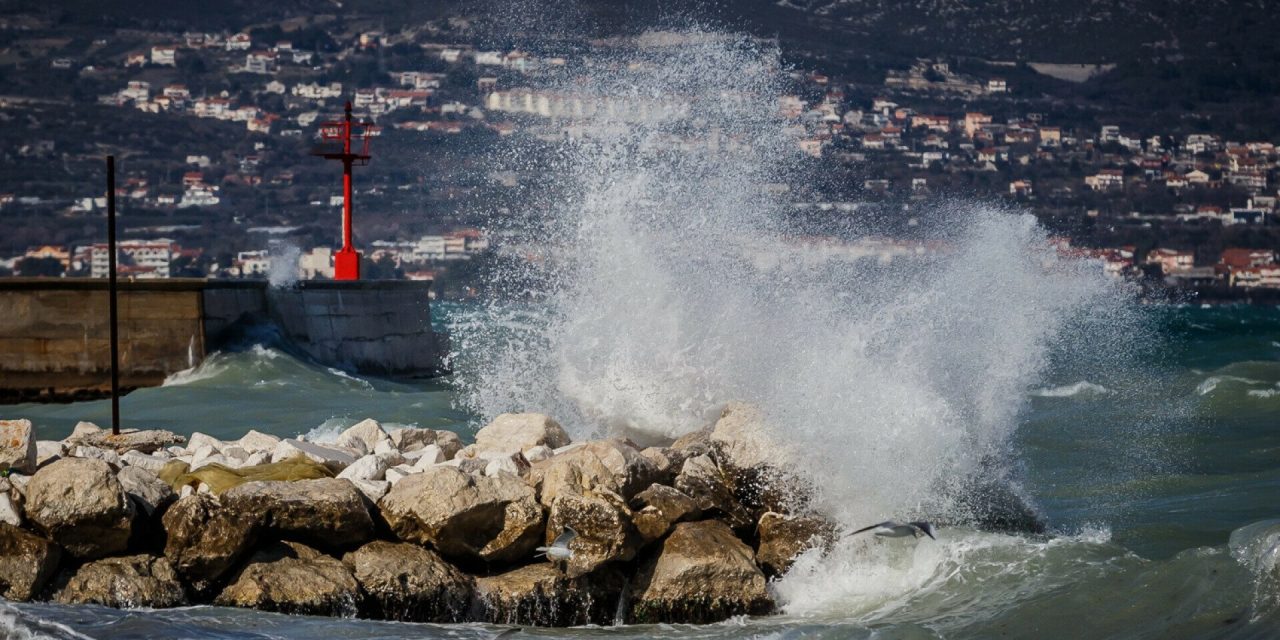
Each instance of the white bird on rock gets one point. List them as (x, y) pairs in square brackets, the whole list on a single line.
[(891, 529), (559, 550)]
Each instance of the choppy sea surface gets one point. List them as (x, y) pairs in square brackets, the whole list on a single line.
[(1162, 495)]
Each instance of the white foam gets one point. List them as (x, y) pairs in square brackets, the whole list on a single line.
[(675, 283), (1083, 387)]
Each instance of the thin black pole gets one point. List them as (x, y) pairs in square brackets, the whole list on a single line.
[(111, 279)]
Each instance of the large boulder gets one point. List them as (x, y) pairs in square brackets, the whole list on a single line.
[(17, 446), (124, 583), (782, 538), (702, 574), (289, 577), (659, 508), (27, 563), (327, 512), (709, 486), (79, 503), (610, 465), (408, 583), (520, 431), (205, 540), (465, 517), (143, 441), (540, 595), (605, 530)]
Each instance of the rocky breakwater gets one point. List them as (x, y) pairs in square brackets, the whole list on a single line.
[(407, 524)]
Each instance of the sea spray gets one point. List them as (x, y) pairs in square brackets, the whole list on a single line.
[(669, 282)]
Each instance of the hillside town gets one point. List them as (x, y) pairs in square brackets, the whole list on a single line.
[(1175, 202)]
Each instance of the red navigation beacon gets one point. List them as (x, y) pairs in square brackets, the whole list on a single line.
[(346, 264)]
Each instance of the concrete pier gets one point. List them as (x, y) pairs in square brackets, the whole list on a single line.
[(54, 334)]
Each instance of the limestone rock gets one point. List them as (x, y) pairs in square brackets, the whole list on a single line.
[(79, 503), (27, 562), (333, 458), (106, 455), (369, 467), (363, 436), (149, 493), (152, 463), (449, 442), (703, 480), (397, 473), (694, 443), (143, 441), (465, 517), (659, 508), (519, 431), (574, 472), (255, 441), (666, 462), (605, 530), (540, 595), (289, 577), (702, 574), (408, 583), (17, 446), (199, 440), (427, 456), (11, 506), (782, 538), (124, 583), (206, 540), (372, 489), (538, 453), (742, 437), (504, 465), (412, 439), (328, 512), (49, 450)]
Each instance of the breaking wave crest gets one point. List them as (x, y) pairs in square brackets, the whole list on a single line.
[(669, 279), (1081, 388)]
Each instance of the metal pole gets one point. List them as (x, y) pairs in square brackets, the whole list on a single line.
[(111, 286)]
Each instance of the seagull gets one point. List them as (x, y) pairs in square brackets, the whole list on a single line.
[(559, 550), (891, 529)]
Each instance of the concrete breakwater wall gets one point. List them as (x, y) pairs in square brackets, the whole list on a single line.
[(54, 334), (406, 524)]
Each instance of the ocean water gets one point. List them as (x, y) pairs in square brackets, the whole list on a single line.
[(1177, 536), (666, 274)]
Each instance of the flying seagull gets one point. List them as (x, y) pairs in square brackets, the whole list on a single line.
[(891, 529), (559, 550)]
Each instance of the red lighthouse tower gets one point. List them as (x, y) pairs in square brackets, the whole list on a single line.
[(346, 264)]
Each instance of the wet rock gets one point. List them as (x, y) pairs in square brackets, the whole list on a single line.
[(142, 441), (666, 462), (694, 443), (701, 574), (604, 526), (79, 503), (289, 577), (658, 508), (27, 563), (363, 436), (702, 480), (328, 512), (465, 517), (408, 583), (204, 540), (742, 438), (17, 446), (782, 538), (520, 431), (333, 458), (124, 583), (540, 595), (571, 473)]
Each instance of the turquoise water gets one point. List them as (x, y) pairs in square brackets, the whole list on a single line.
[(1159, 480)]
